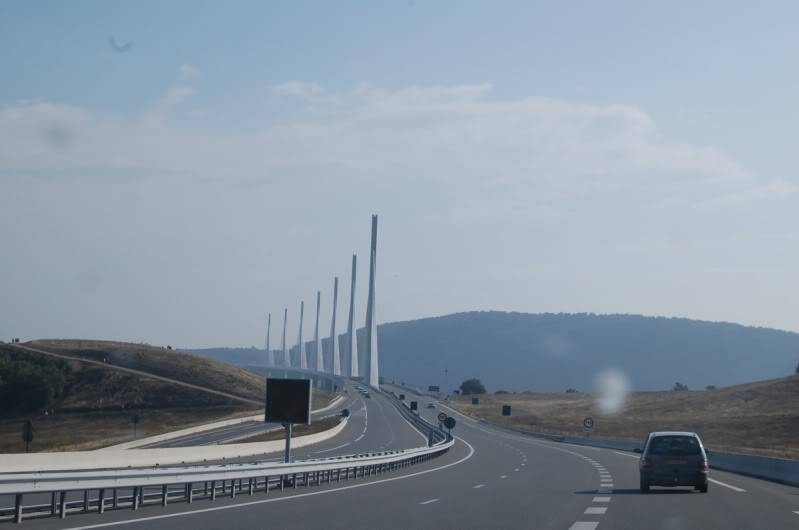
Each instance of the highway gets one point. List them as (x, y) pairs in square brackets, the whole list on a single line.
[(490, 479)]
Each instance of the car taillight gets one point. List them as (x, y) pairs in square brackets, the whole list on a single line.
[(703, 464)]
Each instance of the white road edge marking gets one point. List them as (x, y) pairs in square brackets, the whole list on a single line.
[(278, 499), (733, 488), (429, 502), (333, 448), (625, 454)]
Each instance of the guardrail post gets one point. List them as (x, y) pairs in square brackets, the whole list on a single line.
[(282, 482), (63, 505), (101, 501), (205, 489), (134, 502), (213, 490), (295, 481), (266, 485), (189, 493), (53, 503), (115, 501), (85, 500), (224, 486), (250, 487), (18, 508), (232, 489)]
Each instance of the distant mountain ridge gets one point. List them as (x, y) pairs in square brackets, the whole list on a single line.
[(552, 352)]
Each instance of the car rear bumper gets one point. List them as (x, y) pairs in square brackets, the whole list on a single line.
[(670, 479)]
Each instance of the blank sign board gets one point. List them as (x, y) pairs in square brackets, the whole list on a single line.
[(288, 401)]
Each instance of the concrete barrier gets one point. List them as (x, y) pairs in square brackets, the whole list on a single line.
[(124, 458)]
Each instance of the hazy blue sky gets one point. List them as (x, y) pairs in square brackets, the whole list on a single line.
[(635, 157)]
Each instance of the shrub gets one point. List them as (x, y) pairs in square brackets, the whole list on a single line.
[(472, 386)]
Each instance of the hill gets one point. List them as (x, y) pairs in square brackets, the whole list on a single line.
[(756, 418), (553, 352), (78, 404)]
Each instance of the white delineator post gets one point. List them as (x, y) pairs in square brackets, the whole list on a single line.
[(336, 367), (320, 367), (300, 343), (371, 371), (352, 342)]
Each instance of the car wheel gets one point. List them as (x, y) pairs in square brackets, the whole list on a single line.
[(702, 488), (644, 486)]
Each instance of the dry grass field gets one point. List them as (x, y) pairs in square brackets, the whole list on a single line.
[(98, 402), (162, 362), (755, 418)]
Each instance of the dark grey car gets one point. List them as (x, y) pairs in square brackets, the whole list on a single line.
[(673, 459)]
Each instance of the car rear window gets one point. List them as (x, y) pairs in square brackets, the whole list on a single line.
[(674, 445)]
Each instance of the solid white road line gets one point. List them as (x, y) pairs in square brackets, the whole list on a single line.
[(334, 448), (601, 499), (580, 525), (797, 513), (431, 501), (595, 510), (478, 486), (278, 499), (733, 488), (626, 454)]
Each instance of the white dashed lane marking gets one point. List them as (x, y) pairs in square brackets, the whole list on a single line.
[(580, 525), (517, 469), (595, 510), (503, 476), (431, 501), (733, 488), (478, 486), (601, 499)]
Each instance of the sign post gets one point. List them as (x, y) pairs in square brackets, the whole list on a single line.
[(27, 434), (288, 401)]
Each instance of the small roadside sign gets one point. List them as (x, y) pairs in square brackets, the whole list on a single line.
[(442, 417), (588, 424)]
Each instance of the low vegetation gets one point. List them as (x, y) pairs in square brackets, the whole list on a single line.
[(76, 405), (297, 430), (755, 418)]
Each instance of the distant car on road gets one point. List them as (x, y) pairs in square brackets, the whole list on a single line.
[(673, 459)]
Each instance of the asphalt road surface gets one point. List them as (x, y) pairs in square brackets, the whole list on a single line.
[(490, 479)]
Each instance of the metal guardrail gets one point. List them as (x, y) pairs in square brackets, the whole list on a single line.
[(132, 488)]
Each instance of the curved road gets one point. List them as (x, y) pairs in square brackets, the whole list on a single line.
[(490, 479)]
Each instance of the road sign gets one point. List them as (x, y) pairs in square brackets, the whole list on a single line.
[(442, 417), (588, 423), (449, 423), (414, 405), (288, 401), (27, 434)]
